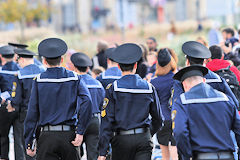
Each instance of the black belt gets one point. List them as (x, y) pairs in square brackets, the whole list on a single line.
[(216, 155), (57, 128), (132, 131)]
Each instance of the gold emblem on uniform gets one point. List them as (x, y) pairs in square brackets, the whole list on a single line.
[(109, 85), (14, 89), (173, 116), (105, 103), (103, 113)]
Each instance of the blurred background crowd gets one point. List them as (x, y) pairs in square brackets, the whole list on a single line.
[(92, 26), (83, 23)]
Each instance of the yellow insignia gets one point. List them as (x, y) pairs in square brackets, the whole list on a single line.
[(109, 85), (103, 113), (173, 125), (171, 98), (173, 115), (105, 103), (13, 94), (14, 89), (34, 78)]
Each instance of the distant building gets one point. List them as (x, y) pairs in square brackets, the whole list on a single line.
[(223, 10)]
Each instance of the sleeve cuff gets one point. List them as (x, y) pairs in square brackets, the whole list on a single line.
[(79, 131), (102, 153)]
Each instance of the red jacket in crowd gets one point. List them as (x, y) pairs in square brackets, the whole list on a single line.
[(217, 64)]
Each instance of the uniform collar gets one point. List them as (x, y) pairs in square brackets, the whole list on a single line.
[(202, 93), (29, 71), (57, 74), (9, 68), (112, 73), (91, 82), (133, 84), (212, 77)]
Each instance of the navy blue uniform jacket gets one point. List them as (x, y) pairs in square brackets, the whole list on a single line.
[(202, 120), (22, 86), (7, 76), (109, 76), (58, 97), (128, 103), (96, 90), (163, 85)]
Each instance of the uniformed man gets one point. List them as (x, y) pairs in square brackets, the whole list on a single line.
[(8, 70), (60, 103), (24, 46), (195, 54), (91, 137), (203, 117), (22, 89), (127, 105), (112, 73)]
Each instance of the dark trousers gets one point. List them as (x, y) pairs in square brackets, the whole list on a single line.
[(19, 143), (91, 138), (6, 120), (19, 147), (56, 145), (132, 147)]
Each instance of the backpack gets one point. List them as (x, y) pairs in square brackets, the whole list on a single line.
[(231, 79)]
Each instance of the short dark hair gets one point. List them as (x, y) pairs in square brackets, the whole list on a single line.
[(81, 69), (8, 56), (193, 61), (25, 56), (126, 67), (54, 61), (153, 39), (216, 51), (229, 31)]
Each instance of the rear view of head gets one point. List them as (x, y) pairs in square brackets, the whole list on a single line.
[(52, 49), (167, 61), (127, 55), (217, 52), (191, 76), (81, 62), (7, 54), (195, 52)]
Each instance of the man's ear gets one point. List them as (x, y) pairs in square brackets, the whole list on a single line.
[(87, 69), (187, 63), (61, 60), (45, 62), (119, 66), (206, 61), (135, 66)]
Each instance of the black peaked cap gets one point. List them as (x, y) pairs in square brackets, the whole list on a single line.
[(52, 48)]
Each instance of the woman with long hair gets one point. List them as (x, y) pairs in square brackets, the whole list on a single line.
[(163, 81)]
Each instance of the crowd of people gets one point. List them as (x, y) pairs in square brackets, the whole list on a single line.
[(116, 101)]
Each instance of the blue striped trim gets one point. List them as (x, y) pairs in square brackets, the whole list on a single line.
[(203, 100), (75, 78), (149, 90)]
